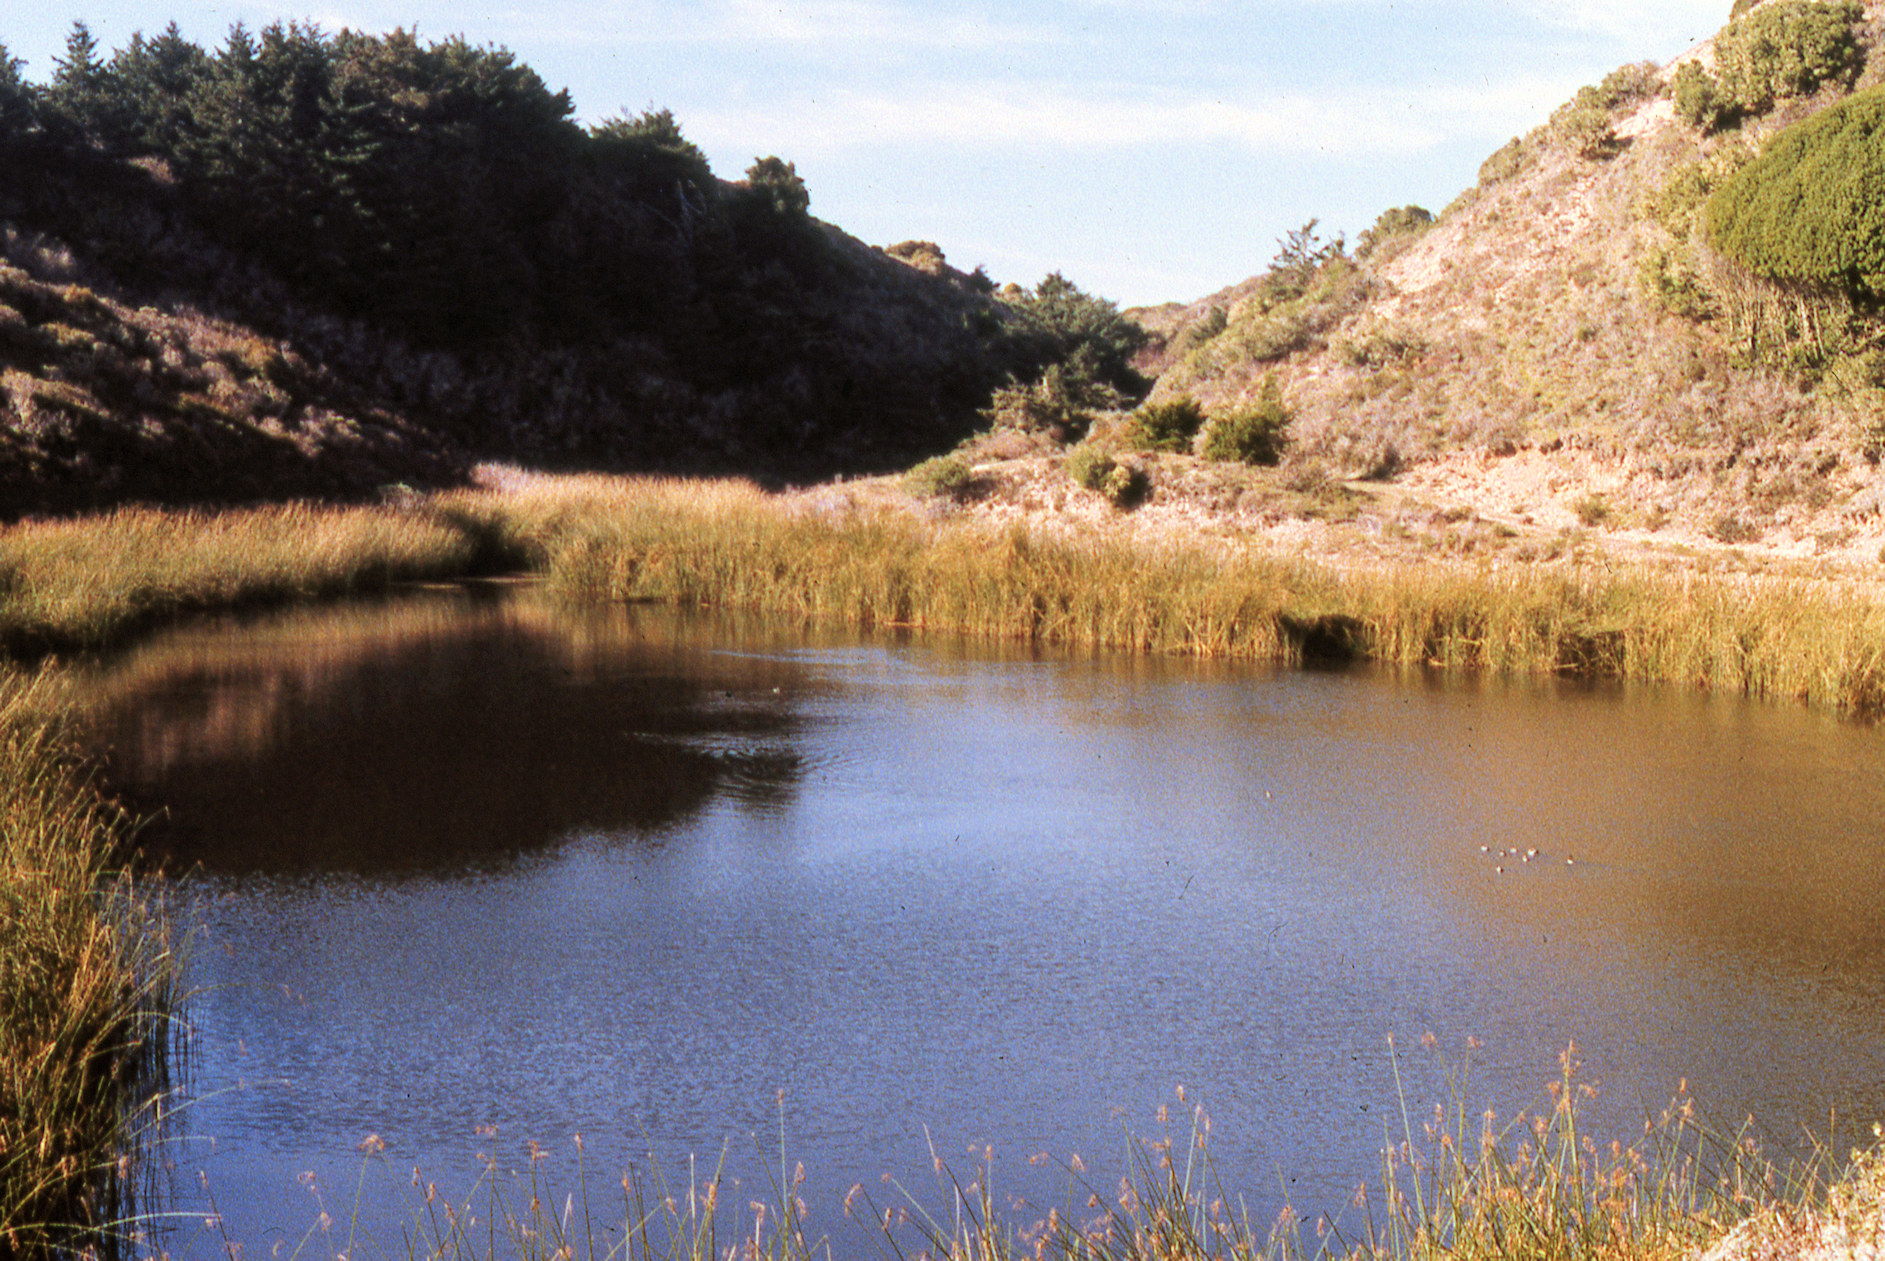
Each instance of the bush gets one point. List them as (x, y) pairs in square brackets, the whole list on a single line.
[(942, 477), (1584, 123), (1696, 100), (1508, 160), (1402, 223), (1168, 426), (1770, 52), (1089, 466), (1251, 435), (1811, 209), (1127, 486)]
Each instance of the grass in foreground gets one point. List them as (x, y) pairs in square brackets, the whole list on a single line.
[(85, 977), (1458, 1186)]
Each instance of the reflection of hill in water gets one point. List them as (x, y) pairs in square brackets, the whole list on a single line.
[(437, 730)]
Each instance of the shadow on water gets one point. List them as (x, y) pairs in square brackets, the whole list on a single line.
[(453, 728)]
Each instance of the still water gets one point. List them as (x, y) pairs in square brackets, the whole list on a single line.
[(469, 870)]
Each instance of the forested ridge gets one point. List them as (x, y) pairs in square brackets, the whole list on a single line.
[(228, 268)]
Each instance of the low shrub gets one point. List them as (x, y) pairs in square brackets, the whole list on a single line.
[(1089, 467), (1584, 124), (1393, 228), (1170, 425), (1256, 434), (941, 477)]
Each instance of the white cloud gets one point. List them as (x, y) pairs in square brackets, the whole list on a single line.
[(1004, 115)]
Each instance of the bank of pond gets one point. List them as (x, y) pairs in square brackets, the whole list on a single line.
[(695, 848)]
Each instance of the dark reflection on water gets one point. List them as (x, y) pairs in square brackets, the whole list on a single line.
[(416, 735), (476, 870)]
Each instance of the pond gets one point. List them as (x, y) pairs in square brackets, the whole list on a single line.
[(468, 870)]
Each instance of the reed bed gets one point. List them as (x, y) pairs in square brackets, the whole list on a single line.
[(729, 545), (86, 988), (87, 582)]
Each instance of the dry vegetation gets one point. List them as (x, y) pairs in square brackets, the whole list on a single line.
[(86, 992), (105, 402), (1564, 331)]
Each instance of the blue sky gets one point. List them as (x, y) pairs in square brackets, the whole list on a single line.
[(1150, 149)]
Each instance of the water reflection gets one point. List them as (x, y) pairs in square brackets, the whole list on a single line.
[(418, 734), (476, 862)]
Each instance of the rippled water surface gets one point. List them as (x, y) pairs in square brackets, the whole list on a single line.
[(471, 870)]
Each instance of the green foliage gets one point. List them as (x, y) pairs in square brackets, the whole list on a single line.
[(1586, 123), (941, 477), (1255, 434), (1396, 226), (1074, 325), (18, 109), (1127, 486), (1772, 51), (647, 156), (775, 184), (1201, 331), (1169, 425), (1301, 257), (1811, 209), (1089, 466), (1060, 404), (1509, 159), (1697, 101)]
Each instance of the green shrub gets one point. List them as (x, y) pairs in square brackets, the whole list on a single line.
[(1168, 426), (1127, 486), (1585, 123), (1398, 225), (1201, 330), (1811, 209), (1510, 159), (1697, 101), (941, 477), (1256, 434), (1786, 48), (1089, 466)]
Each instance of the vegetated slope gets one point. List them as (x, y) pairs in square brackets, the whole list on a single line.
[(1570, 343), (307, 263)]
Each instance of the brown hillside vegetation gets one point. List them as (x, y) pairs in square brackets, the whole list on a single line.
[(108, 396), (1565, 349)]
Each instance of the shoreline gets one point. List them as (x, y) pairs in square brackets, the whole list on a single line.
[(869, 554)]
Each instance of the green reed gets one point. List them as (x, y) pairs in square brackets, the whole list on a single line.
[(86, 988)]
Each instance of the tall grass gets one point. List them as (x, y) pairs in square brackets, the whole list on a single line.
[(729, 545), (89, 581), (86, 980)]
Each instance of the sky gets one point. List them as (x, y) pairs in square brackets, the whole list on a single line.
[(1149, 150)]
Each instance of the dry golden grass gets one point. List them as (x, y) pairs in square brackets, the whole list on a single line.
[(729, 545), (88, 581), (85, 994)]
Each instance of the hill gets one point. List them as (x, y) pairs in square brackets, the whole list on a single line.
[(311, 263), (1575, 343)]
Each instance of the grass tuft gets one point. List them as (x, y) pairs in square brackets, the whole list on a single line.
[(86, 978)]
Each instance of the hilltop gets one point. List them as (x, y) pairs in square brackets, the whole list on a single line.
[(317, 264), (1573, 348)]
